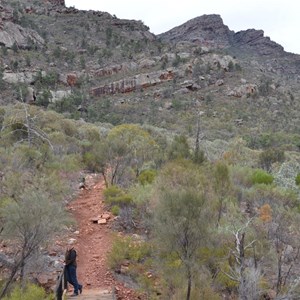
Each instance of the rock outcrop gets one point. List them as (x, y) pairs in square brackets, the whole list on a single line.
[(23, 38), (243, 90), (255, 39), (131, 84), (206, 30), (25, 76), (210, 31), (115, 69)]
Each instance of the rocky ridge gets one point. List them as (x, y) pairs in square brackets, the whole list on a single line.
[(209, 30)]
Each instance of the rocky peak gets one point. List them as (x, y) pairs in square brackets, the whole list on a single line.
[(208, 30), (255, 39)]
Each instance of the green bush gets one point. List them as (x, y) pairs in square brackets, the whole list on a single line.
[(270, 156), (31, 292), (116, 196), (147, 176), (90, 161), (261, 177), (128, 249), (297, 179), (44, 97), (115, 210), (179, 148), (231, 66)]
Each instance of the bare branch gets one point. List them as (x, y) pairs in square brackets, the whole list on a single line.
[(230, 276)]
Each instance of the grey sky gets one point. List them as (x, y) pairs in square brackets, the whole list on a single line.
[(279, 19)]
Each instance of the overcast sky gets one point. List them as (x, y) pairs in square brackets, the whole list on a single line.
[(279, 19)]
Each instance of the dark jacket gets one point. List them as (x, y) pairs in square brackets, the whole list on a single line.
[(70, 257)]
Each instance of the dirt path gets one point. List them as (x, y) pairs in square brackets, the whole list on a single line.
[(93, 241)]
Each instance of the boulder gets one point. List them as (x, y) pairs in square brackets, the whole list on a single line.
[(59, 95), (72, 79), (20, 77), (102, 221), (243, 90), (146, 63), (219, 82), (106, 216)]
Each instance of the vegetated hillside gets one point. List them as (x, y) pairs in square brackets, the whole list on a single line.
[(92, 65), (198, 121)]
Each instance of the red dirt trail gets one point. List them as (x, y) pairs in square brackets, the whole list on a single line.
[(94, 241)]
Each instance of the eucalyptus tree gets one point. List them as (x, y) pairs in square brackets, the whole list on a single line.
[(126, 147), (29, 224), (183, 216)]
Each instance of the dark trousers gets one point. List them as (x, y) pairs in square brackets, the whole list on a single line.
[(72, 278)]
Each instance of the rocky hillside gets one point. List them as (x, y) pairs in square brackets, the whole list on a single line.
[(92, 65)]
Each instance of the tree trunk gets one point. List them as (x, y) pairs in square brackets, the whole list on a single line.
[(105, 179), (9, 281), (220, 212), (22, 270), (279, 275), (243, 291), (197, 145), (188, 294)]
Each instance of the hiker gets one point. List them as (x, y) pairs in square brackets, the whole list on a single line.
[(82, 184), (71, 266)]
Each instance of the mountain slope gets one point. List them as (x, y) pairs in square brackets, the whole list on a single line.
[(92, 65)]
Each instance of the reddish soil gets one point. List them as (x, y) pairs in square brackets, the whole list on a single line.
[(94, 241)]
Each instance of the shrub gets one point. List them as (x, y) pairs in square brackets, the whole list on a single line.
[(15, 47), (264, 87), (57, 52), (45, 81), (128, 249), (176, 60), (270, 156), (115, 196), (90, 161), (231, 66), (4, 50), (31, 292), (262, 177), (44, 98), (179, 148), (14, 64), (147, 176), (115, 210), (297, 179)]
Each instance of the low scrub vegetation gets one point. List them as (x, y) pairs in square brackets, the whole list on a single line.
[(187, 215)]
